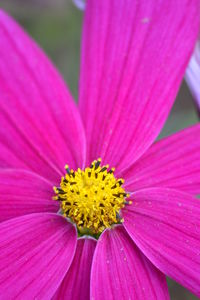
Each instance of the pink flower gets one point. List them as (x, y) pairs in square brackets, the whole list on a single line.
[(134, 56)]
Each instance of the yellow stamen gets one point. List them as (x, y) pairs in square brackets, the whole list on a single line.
[(92, 198)]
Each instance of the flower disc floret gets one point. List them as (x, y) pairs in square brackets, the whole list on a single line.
[(92, 198)]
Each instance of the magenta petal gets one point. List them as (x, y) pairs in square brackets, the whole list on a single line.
[(76, 284), (23, 192), (165, 225), (41, 129), (121, 271), (173, 162), (134, 56), (35, 253)]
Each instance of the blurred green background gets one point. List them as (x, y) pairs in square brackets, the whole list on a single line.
[(56, 26)]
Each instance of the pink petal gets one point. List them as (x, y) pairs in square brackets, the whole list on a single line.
[(172, 162), (134, 56), (192, 75), (165, 225), (121, 271), (23, 192), (35, 253), (76, 284), (41, 128)]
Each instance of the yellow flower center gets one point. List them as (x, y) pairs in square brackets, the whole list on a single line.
[(92, 198)]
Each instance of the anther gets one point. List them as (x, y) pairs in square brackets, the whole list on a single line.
[(114, 186), (103, 169), (97, 164), (92, 165), (67, 169)]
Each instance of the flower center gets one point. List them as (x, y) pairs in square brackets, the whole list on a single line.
[(92, 198)]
